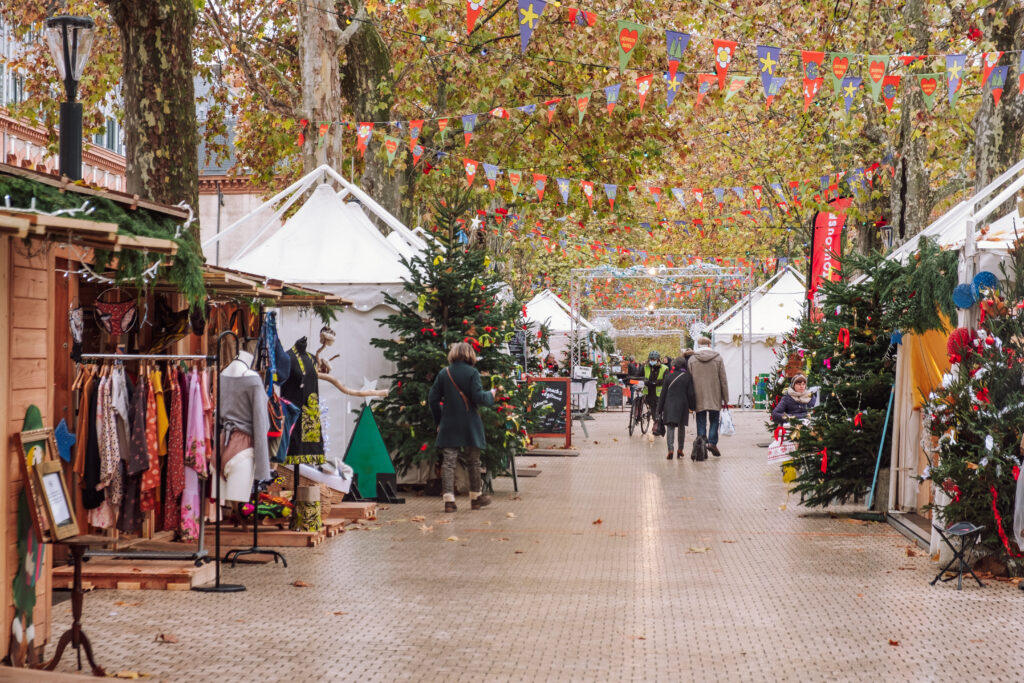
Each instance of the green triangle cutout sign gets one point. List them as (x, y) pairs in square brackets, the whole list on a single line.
[(367, 455)]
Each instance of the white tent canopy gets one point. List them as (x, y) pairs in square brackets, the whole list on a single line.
[(331, 244), (776, 307), (547, 308)]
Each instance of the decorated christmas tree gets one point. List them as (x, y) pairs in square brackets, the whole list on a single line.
[(452, 295), (848, 356), (976, 418)]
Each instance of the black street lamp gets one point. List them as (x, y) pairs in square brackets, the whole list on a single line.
[(70, 40)]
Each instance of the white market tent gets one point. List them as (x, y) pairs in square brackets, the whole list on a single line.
[(921, 361), (331, 244), (547, 308), (775, 308)]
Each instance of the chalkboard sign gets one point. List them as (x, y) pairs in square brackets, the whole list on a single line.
[(554, 392), (614, 396), (517, 346)]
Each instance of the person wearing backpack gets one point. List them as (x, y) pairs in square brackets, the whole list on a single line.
[(712, 389), (454, 397), (676, 402)]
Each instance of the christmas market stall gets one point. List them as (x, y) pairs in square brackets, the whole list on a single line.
[(334, 242)]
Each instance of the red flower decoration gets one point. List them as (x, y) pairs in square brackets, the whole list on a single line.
[(982, 395), (423, 447), (974, 34)]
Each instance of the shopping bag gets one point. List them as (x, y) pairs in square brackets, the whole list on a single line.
[(725, 423)]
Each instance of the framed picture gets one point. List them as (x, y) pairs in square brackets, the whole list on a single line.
[(38, 465), (59, 511)]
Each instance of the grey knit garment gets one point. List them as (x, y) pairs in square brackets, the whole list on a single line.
[(243, 407)]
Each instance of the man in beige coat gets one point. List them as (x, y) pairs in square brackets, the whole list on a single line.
[(712, 389)]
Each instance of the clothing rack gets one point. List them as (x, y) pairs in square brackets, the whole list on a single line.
[(200, 554)]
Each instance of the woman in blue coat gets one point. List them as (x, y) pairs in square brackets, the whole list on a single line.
[(454, 398), (796, 401)]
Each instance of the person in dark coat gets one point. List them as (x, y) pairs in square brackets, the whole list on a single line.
[(675, 404), (796, 401), (454, 398)]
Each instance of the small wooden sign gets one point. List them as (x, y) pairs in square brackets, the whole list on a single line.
[(43, 478)]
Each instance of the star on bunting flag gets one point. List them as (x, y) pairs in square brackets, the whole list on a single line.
[(680, 195), (675, 42), (563, 188), (528, 109), (955, 65), (528, 15), (850, 86), (767, 63), (673, 86)]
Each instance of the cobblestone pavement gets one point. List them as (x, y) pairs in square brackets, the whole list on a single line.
[(616, 565)]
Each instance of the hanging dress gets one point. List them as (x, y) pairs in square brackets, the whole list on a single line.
[(151, 477), (302, 389), (195, 460), (92, 495), (136, 463), (175, 456)]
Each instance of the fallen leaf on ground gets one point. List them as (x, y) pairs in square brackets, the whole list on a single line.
[(698, 550), (515, 498), (850, 520), (598, 521), (975, 640), (487, 523), (510, 515), (637, 638), (122, 603), (519, 552), (728, 541), (860, 595), (301, 584), (128, 674), (425, 529), (166, 638), (914, 552), (533, 465), (340, 614), (500, 539), (615, 440), (595, 443), (621, 534), (894, 643), (452, 538), (417, 518), (783, 507), (442, 521)]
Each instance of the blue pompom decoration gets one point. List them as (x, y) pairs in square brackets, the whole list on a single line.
[(963, 296), (984, 280)]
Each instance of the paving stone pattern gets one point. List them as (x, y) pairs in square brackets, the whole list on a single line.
[(617, 565)]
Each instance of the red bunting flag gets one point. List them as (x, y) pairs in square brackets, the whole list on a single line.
[(643, 86), (442, 125), (989, 60), (890, 85), (499, 113), (698, 196), (471, 167), (552, 105), (539, 182), (724, 52), (756, 191), (363, 134), (473, 9), (704, 84), (579, 17), (588, 192), (656, 196), (415, 128), (300, 140), (813, 76)]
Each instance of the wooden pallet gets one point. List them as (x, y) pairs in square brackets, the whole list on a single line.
[(237, 537), (365, 510), (126, 574)]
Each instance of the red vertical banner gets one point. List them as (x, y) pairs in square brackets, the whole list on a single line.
[(828, 233)]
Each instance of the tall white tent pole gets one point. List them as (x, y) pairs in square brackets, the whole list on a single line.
[(270, 202), (366, 199), (277, 215)]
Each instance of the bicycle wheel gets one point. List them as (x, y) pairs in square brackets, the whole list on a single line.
[(632, 419), (645, 419)]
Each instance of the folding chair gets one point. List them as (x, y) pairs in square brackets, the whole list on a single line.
[(969, 536)]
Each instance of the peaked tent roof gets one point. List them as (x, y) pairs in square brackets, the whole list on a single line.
[(328, 240), (776, 306), (547, 308)]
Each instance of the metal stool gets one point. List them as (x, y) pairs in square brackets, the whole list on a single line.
[(969, 536)]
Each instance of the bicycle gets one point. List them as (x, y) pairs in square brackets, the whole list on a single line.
[(639, 412)]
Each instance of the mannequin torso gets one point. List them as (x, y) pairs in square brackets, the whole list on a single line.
[(240, 366)]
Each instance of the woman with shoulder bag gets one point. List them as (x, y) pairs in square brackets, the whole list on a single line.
[(676, 402), (454, 397)]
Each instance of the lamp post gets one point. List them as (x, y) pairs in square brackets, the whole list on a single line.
[(70, 40)]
